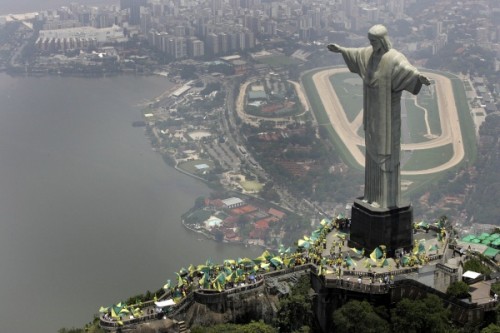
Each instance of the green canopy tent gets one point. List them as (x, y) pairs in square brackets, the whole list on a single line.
[(490, 252), (468, 238), (483, 236), (496, 243)]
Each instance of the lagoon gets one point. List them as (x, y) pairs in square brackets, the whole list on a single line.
[(89, 213)]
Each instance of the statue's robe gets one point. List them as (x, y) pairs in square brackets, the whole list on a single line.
[(383, 84)]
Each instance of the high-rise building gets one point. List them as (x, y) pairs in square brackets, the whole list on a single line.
[(196, 47), (180, 31), (212, 44), (146, 22), (134, 7), (223, 43)]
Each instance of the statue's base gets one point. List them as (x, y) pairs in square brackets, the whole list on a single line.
[(371, 227)]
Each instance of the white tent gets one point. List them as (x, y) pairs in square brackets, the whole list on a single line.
[(164, 304), (471, 275)]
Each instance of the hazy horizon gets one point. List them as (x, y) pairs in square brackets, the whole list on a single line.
[(25, 6)]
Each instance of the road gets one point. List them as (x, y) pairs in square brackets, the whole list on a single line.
[(347, 131)]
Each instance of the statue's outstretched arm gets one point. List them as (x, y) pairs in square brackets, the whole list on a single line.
[(424, 80), (334, 48)]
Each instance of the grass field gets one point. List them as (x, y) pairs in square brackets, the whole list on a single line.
[(429, 101), (349, 89), (416, 121), (190, 166), (428, 158), (251, 186)]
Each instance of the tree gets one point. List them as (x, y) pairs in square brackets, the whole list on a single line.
[(359, 317), (295, 309), (458, 289), (421, 316), (188, 72), (219, 235), (476, 265), (252, 327), (492, 328), (199, 203)]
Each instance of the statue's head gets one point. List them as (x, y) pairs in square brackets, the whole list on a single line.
[(379, 32)]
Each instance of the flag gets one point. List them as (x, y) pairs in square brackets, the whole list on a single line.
[(303, 243), (382, 262), (167, 285), (180, 281), (376, 254), (358, 252), (349, 262), (433, 248), (276, 261)]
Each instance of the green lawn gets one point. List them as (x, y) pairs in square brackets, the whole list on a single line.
[(349, 89), (251, 186), (416, 121), (428, 158), (429, 102)]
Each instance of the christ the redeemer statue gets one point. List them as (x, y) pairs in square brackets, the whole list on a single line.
[(385, 73)]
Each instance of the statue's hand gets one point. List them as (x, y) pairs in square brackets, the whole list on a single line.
[(424, 80), (333, 47)]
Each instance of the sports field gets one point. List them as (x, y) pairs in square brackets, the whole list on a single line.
[(436, 127)]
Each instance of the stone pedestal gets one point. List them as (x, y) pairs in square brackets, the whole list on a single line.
[(371, 227)]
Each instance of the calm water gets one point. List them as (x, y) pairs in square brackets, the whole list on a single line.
[(89, 214)]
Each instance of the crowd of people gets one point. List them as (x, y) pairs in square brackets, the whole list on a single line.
[(242, 272)]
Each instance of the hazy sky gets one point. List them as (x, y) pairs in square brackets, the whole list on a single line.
[(22, 6)]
